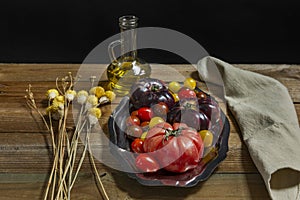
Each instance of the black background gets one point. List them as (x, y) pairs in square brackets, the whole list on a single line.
[(237, 31)]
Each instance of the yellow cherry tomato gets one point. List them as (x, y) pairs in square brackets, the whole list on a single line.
[(174, 86), (190, 83), (207, 137), (155, 120)]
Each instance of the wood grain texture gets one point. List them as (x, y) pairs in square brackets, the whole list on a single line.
[(120, 186), (25, 145)]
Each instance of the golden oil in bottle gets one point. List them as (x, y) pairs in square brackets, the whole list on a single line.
[(124, 71), (123, 74)]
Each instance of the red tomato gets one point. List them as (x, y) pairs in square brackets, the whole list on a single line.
[(132, 120), (137, 145), (146, 163), (175, 150), (186, 93), (134, 131), (145, 114)]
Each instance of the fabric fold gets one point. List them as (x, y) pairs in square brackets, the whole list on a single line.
[(268, 122)]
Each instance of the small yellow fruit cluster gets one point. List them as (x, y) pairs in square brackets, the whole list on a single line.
[(88, 100), (175, 86)]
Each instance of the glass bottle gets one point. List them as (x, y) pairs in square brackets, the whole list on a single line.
[(125, 70)]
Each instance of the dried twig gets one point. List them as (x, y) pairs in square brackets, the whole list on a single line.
[(64, 145)]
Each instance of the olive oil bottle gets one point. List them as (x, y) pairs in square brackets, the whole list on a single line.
[(125, 70)]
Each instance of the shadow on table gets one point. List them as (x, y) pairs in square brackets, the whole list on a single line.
[(136, 190)]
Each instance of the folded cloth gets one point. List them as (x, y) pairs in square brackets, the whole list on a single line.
[(268, 122)]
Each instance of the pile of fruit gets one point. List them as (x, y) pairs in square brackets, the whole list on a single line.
[(170, 125)]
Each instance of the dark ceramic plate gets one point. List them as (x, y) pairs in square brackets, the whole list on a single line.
[(205, 168)]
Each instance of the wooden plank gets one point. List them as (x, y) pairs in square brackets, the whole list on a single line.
[(23, 140), (32, 186), (289, 75), (31, 72), (13, 120), (277, 71), (120, 186), (38, 160), (11, 72), (35, 72), (33, 147), (16, 93), (11, 116)]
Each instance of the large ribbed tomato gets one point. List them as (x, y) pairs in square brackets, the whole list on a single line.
[(177, 149)]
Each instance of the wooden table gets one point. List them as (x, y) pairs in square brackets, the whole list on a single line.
[(25, 158)]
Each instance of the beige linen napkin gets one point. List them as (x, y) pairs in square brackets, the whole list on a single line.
[(268, 122)]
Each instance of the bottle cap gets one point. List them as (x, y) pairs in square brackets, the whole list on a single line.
[(128, 21)]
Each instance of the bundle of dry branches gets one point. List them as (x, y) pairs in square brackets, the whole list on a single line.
[(65, 144)]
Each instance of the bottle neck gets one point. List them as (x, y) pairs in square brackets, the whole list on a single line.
[(128, 26), (128, 44)]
